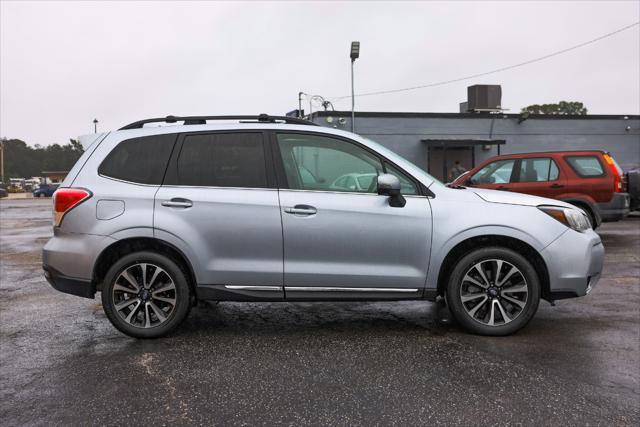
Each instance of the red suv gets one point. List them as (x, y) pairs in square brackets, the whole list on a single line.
[(591, 180)]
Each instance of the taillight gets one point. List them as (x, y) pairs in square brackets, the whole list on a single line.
[(616, 171), (65, 199)]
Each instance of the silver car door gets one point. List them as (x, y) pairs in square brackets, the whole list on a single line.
[(219, 204), (347, 242)]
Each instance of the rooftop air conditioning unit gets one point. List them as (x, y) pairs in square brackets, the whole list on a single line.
[(484, 98)]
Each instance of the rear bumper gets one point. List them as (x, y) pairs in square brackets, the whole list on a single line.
[(68, 260), (574, 262), (616, 209), (69, 285)]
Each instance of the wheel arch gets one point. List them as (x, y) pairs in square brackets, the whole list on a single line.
[(120, 248), (517, 245)]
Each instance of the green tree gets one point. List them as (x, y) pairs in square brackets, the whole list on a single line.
[(562, 107), (24, 161)]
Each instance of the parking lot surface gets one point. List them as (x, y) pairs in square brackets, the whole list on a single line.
[(61, 362)]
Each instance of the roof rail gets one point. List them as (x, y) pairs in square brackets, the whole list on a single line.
[(202, 120)]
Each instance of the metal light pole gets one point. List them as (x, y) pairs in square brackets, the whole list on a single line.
[(355, 54), (95, 125), (1, 161), (300, 104)]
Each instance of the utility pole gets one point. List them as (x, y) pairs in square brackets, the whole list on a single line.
[(355, 54), (2, 160)]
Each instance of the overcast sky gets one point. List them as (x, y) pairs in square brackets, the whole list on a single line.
[(64, 63)]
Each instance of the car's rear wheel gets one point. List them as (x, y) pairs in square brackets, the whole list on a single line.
[(146, 295), (493, 291)]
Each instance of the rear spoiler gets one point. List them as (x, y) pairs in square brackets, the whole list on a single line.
[(87, 140)]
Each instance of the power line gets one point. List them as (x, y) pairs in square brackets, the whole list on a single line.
[(498, 70)]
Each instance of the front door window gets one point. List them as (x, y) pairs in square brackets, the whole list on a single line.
[(325, 164)]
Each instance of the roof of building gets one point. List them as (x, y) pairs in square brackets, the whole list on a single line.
[(483, 115)]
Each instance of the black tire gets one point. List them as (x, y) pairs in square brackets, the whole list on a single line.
[(456, 287), (181, 295)]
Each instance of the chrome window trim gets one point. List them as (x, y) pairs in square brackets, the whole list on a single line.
[(253, 288), (414, 196), (218, 188), (338, 289), (128, 182)]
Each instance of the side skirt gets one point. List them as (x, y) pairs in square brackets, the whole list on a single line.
[(304, 293)]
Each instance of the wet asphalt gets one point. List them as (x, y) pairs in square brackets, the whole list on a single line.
[(61, 362)]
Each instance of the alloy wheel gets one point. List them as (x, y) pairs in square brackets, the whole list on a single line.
[(494, 292), (144, 295)]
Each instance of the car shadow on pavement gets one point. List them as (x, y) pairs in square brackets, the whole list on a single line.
[(296, 317)]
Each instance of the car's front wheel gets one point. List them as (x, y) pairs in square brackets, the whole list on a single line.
[(493, 291), (146, 295)]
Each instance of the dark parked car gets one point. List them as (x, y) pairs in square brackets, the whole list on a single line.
[(3, 193), (633, 184), (591, 180), (45, 190)]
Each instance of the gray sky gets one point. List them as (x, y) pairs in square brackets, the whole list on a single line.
[(64, 63)]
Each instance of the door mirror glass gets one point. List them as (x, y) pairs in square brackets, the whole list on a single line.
[(389, 185)]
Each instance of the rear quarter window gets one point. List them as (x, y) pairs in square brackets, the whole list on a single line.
[(586, 166), (140, 160)]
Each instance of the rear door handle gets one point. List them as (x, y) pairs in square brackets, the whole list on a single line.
[(177, 202), (556, 186), (301, 210)]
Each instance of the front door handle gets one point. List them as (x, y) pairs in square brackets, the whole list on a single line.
[(301, 210), (556, 186), (177, 202)]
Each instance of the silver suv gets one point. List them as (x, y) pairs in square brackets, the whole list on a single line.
[(247, 208)]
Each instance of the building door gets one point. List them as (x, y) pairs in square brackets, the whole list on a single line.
[(442, 159)]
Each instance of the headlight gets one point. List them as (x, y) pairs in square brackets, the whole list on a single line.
[(572, 218)]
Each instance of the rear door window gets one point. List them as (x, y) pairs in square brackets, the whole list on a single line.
[(538, 170), (586, 166), (221, 160), (140, 160)]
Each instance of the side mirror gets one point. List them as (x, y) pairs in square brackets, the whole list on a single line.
[(389, 185)]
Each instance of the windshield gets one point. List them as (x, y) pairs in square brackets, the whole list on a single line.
[(498, 172)]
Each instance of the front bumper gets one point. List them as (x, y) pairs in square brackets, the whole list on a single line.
[(574, 261), (616, 209)]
